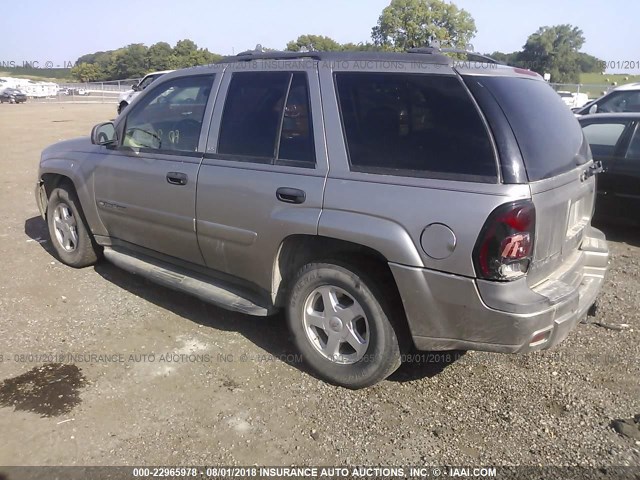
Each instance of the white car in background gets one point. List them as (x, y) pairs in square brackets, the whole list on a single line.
[(625, 98), (127, 97), (574, 100)]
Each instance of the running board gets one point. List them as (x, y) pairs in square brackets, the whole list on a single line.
[(206, 289)]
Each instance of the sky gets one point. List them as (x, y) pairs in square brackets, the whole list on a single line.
[(57, 33)]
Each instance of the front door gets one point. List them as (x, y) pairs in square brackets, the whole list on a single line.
[(606, 138), (626, 177), (146, 187)]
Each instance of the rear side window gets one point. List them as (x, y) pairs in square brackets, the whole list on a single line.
[(267, 118), (548, 134), (414, 125)]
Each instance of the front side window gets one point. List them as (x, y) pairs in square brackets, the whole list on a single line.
[(170, 117), (267, 118), (633, 153), (414, 125), (603, 138), (620, 102)]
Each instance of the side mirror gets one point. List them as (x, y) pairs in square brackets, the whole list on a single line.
[(103, 134), (135, 87), (593, 108)]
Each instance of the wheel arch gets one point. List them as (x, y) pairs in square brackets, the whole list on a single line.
[(297, 250), (57, 172)]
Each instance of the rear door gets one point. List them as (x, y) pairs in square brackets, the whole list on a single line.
[(557, 160), (262, 178)]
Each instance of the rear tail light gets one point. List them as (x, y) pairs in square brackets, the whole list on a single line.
[(505, 246)]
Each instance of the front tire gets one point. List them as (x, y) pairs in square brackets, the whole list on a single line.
[(121, 107), (73, 243), (344, 325)]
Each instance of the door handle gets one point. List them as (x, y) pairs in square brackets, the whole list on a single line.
[(291, 195), (177, 178)]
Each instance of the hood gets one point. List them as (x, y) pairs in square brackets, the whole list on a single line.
[(125, 96), (80, 144)]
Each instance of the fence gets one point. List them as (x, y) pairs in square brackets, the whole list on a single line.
[(593, 90), (108, 92), (88, 92)]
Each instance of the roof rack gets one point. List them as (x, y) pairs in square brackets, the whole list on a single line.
[(425, 50), (471, 56), (430, 55), (259, 49)]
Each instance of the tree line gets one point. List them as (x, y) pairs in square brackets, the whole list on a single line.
[(137, 59), (403, 24), (554, 50)]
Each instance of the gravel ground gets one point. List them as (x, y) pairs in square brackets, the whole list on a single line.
[(242, 397)]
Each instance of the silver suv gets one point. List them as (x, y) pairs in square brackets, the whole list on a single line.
[(384, 201)]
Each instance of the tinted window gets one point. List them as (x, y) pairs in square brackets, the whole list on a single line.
[(634, 147), (296, 139), (147, 81), (620, 102), (409, 124), (267, 115), (548, 134), (603, 137), (170, 116)]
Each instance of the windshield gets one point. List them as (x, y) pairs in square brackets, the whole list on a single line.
[(146, 81)]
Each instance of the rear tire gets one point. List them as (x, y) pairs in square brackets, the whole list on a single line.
[(73, 243), (344, 325)]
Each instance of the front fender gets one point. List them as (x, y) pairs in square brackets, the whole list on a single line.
[(78, 168)]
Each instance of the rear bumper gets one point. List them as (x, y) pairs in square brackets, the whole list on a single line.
[(449, 312)]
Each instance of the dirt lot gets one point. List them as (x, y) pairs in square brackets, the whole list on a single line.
[(224, 388)]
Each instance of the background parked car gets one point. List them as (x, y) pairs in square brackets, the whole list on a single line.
[(127, 97), (573, 99), (12, 95), (77, 91), (625, 98), (615, 141)]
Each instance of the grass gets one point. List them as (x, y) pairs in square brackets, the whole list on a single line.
[(39, 74), (593, 84), (596, 84)]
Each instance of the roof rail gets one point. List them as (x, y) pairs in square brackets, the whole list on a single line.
[(429, 55), (437, 49), (471, 56), (425, 50), (249, 55), (259, 49)]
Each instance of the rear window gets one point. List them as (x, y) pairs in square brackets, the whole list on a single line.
[(414, 125), (548, 134)]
